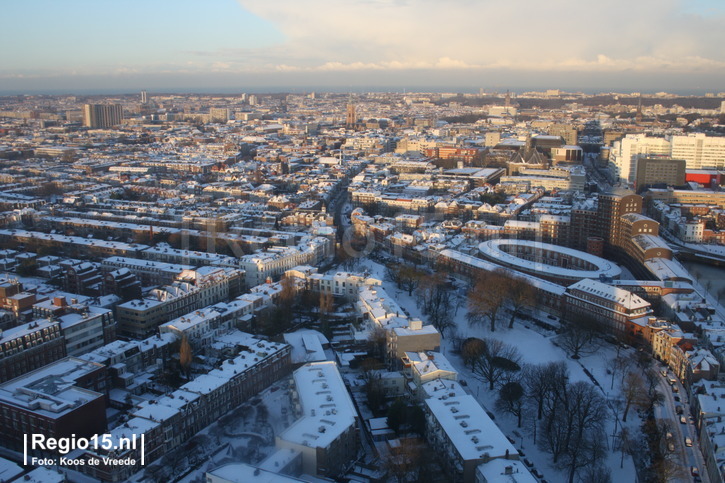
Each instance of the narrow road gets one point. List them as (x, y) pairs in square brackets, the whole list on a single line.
[(688, 456)]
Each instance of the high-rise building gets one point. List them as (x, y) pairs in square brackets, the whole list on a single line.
[(664, 170), (99, 116), (623, 155), (700, 151), (219, 114), (144, 97), (610, 208)]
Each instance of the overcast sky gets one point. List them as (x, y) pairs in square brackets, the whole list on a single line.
[(104, 45)]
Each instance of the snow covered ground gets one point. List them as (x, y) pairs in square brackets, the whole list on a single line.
[(536, 346), (244, 434)]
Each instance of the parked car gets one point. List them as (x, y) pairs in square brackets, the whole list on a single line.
[(688, 442), (694, 471), (678, 409), (683, 420)]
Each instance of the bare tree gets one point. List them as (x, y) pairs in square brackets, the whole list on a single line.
[(492, 360), (664, 458), (521, 295), (580, 337), (511, 400), (404, 462), (626, 444), (406, 277), (573, 428), (652, 380), (487, 299), (434, 297), (619, 366), (634, 392), (542, 381), (598, 473), (377, 341), (374, 390), (409, 277), (288, 294), (590, 414)]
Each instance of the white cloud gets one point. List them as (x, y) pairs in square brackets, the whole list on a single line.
[(349, 35)]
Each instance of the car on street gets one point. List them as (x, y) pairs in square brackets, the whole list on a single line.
[(688, 441), (683, 420)]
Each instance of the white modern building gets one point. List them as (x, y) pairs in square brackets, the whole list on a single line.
[(623, 155), (700, 151)]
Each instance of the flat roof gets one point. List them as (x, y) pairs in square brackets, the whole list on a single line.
[(327, 408), (51, 391), (469, 428)]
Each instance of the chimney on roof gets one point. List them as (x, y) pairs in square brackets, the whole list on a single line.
[(415, 324), (59, 302)]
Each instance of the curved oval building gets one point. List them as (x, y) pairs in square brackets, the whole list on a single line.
[(551, 262)]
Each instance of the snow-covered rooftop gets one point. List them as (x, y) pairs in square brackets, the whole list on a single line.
[(593, 267), (623, 297), (469, 428), (327, 410)]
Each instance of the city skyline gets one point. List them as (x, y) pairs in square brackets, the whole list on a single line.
[(249, 45)]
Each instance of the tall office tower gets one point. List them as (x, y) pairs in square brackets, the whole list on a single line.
[(351, 119), (610, 208), (252, 100), (144, 98), (99, 116), (602, 220), (700, 151), (623, 155)]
